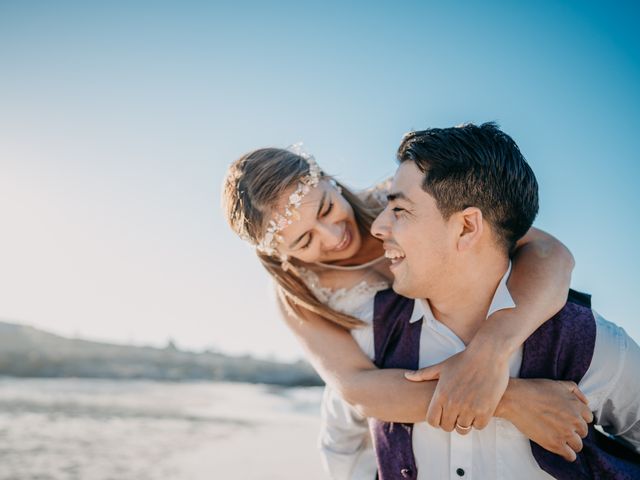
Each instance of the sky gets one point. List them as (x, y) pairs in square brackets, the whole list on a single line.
[(118, 121)]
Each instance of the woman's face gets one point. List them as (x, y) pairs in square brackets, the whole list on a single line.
[(326, 230)]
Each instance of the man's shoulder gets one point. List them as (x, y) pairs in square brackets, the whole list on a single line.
[(611, 341), (575, 319), (614, 366), (562, 347)]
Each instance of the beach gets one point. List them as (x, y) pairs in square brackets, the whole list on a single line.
[(59, 429)]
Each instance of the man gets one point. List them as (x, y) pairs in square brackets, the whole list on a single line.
[(459, 201)]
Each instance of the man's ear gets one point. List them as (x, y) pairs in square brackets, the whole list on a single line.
[(471, 228)]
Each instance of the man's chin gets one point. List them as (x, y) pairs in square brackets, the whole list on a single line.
[(401, 288)]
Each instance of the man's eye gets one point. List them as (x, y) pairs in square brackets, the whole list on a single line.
[(397, 210), (328, 210)]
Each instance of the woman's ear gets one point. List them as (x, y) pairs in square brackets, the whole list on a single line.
[(471, 228)]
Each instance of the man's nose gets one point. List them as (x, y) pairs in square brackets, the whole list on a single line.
[(381, 225)]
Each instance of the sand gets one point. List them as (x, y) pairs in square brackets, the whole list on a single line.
[(283, 451)]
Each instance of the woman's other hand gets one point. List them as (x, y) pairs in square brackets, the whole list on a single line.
[(552, 413)]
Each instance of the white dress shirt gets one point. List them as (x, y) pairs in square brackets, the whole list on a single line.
[(499, 451)]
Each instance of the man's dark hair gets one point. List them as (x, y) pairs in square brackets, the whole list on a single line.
[(476, 166)]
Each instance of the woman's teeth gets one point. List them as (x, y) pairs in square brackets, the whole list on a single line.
[(346, 239)]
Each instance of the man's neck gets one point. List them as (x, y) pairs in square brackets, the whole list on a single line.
[(464, 306)]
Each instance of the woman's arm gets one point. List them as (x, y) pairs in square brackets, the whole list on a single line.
[(473, 381), (554, 410), (383, 394), (539, 284), (552, 413)]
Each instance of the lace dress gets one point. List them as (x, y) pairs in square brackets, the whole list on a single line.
[(356, 297), (344, 440), (355, 300)]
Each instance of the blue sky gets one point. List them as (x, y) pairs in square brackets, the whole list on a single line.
[(118, 120)]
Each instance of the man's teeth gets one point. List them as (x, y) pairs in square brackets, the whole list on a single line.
[(393, 255)]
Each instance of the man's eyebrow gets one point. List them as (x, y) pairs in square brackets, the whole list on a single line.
[(297, 240), (397, 196)]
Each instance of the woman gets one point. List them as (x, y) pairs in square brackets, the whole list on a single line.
[(312, 236)]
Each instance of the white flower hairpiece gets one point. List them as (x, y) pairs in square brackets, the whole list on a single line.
[(279, 222)]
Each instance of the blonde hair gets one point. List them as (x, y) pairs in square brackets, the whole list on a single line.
[(253, 184)]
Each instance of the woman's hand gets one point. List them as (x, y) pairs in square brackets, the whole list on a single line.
[(470, 385), (472, 382), (552, 413)]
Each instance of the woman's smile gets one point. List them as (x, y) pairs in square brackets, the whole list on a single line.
[(345, 241)]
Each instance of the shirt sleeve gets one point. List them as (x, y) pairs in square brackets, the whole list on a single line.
[(344, 441), (612, 383)]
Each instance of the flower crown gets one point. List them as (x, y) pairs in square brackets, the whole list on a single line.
[(279, 222)]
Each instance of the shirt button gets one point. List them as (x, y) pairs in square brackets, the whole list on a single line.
[(405, 472), (460, 472)]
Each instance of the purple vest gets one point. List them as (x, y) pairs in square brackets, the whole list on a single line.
[(561, 349)]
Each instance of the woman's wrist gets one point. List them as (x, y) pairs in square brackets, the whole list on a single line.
[(508, 401), (494, 343)]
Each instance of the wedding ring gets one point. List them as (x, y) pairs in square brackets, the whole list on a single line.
[(463, 429)]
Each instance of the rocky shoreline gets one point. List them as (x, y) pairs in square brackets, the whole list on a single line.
[(29, 352)]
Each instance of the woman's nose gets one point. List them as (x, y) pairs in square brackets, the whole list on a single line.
[(331, 233)]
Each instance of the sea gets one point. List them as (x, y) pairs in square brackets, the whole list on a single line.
[(87, 429)]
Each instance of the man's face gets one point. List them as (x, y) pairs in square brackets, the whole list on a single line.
[(417, 239)]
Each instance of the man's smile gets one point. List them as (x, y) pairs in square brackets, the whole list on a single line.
[(394, 254)]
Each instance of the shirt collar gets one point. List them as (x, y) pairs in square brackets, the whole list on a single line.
[(501, 300)]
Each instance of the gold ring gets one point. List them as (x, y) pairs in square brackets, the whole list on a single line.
[(464, 429)]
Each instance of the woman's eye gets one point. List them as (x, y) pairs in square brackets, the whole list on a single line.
[(397, 210), (306, 245), (328, 210)]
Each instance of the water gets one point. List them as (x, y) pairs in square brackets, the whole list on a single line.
[(55, 429)]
